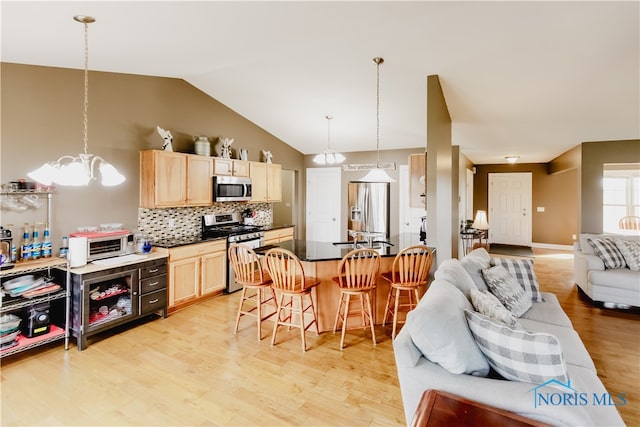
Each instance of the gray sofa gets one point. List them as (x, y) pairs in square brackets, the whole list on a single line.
[(612, 286), (436, 350)]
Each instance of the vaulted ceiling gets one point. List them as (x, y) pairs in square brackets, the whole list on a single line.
[(531, 78)]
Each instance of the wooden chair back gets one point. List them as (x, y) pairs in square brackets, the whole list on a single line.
[(412, 265), (246, 265), (358, 270), (629, 223), (286, 271)]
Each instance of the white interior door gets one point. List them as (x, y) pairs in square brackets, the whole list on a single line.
[(324, 193), (509, 213)]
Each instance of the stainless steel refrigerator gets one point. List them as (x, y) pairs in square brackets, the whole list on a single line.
[(368, 207)]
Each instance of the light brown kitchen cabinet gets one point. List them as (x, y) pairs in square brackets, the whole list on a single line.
[(196, 272), (169, 179), (230, 167), (417, 185), (266, 182), (272, 237)]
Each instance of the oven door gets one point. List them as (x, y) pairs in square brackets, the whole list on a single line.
[(232, 286), (231, 189)]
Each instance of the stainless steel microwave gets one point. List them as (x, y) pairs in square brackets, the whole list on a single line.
[(231, 189)]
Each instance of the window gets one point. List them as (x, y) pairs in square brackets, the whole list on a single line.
[(621, 194)]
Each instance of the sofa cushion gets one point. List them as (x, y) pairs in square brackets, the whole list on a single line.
[(548, 311), (522, 270), (504, 286), (622, 278), (452, 271), (573, 349), (438, 328), (474, 262), (608, 252), (518, 355), (630, 250), (486, 303)]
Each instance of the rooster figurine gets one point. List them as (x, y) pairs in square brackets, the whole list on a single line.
[(167, 137)]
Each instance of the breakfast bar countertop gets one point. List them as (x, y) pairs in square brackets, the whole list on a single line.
[(312, 251)]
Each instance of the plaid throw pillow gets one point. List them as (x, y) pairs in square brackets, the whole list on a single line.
[(522, 270), (486, 303), (518, 355), (608, 252)]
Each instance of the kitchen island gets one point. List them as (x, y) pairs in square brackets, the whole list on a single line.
[(321, 260)]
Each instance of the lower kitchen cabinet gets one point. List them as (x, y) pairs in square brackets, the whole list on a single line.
[(272, 237), (105, 297), (196, 272)]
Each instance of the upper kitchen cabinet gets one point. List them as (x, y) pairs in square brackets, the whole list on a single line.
[(230, 167), (169, 179), (417, 185), (266, 182)]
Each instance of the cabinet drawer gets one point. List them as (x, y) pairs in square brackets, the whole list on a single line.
[(153, 270), (151, 284), (197, 249), (153, 302)]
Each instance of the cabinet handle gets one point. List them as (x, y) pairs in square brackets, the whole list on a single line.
[(153, 284), (155, 270), (153, 301)]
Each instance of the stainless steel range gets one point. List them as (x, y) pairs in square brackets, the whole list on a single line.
[(230, 225)]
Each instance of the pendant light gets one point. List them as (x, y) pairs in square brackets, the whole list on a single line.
[(377, 173), (328, 156), (79, 170)]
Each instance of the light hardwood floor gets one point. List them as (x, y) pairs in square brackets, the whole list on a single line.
[(190, 369)]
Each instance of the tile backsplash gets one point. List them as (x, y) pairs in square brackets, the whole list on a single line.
[(186, 221)]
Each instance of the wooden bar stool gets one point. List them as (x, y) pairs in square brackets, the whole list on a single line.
[(410, 270), (256, 286), (294, 292), (357, 275)]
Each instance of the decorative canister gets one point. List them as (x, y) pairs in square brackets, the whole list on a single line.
[(203, 146)]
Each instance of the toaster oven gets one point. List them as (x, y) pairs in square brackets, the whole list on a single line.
[(105, 244)]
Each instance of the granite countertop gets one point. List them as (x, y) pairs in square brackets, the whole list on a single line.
[(183, 241), (194, 239), (312, 251)]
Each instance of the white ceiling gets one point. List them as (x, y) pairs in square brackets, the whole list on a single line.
[(528, 78)]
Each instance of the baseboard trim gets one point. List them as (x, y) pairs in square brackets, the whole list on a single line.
[(552, 246)]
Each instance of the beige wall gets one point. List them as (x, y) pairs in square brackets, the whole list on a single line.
[(557, 193), (594, 156), (42, 119), (442, 175)]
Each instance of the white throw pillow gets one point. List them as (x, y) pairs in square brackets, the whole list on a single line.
[(474, 262), (452, 271), (438, 328), (504, 286), (630, 250), (486, 303), (519, 355), (522, 270)]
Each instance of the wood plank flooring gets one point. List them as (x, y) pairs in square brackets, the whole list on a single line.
[(190, 369)]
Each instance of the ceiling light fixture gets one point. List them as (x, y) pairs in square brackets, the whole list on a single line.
[(511, 159), (79, 170), (328, 156), (377, 172)]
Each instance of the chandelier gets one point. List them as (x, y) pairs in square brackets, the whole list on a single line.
[(376, 172), (328, 156), (79, 170)]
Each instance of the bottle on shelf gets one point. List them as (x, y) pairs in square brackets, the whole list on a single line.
[(64, 249), (13, 250), (36, 243), (25, 250), (47, 247)]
